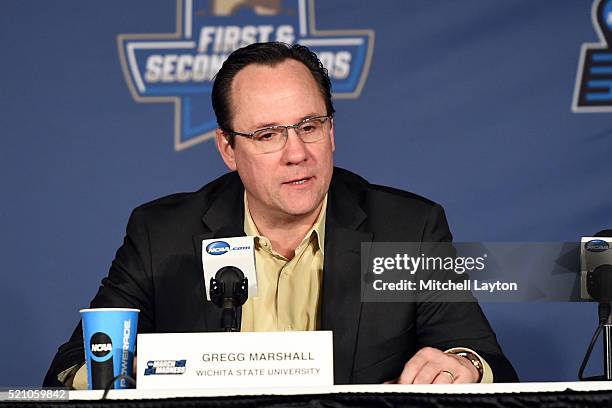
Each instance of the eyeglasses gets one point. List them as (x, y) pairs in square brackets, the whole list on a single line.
[(272, 139)]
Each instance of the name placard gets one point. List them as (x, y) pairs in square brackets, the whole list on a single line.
[(224, 360)]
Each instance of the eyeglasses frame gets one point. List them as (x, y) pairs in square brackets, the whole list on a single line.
[(286, 127)]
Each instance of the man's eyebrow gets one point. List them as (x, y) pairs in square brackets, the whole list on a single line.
[(262, 125)]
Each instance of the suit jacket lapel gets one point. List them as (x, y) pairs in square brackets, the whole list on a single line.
[(341, 289)]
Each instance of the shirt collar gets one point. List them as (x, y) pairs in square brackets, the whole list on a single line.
[(318, 228)]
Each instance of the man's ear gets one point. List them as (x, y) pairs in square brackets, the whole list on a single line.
[(225, 150)]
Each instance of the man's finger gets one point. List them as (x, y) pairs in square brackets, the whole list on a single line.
[(428, 373), (412, 368)]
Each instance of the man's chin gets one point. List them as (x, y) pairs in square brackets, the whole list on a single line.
[(297, 210)]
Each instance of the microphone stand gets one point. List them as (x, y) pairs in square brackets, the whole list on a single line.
[(607, 345)]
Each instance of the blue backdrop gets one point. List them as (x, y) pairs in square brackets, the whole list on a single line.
[(466, 102)]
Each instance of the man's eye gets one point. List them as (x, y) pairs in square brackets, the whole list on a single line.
[(264, 137), (308, 128)]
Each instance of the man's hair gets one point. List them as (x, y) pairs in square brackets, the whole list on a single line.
[(270, 54)]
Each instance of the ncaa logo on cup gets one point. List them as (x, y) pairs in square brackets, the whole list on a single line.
[(101, 345), (217, 248), (178, 68)]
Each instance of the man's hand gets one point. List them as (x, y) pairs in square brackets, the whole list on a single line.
[(432, 366)]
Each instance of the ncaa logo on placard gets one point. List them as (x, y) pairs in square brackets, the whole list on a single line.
[(593, 89), (178, 68)]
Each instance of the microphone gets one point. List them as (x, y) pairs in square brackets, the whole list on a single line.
[(599, 283), (596, 260), (229, 275), (596, 266), (229, 289), (596, 284)]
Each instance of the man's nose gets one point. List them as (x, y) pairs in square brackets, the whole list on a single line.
[(295, 149)]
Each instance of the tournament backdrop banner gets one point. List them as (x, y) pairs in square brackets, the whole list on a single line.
[(499, 110)]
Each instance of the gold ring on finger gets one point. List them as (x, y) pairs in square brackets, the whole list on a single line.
[(451, 375)]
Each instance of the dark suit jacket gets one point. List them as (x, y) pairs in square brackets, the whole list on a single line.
[(158, 270)]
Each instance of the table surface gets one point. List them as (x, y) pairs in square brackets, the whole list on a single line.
[(499, 388)]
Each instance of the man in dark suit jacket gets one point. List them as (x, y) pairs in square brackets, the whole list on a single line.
[(286, 174), (158, 271)]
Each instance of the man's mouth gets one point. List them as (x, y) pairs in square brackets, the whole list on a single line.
[(298, 182)]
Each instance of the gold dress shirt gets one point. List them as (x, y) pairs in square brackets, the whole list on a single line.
[(287, 290)]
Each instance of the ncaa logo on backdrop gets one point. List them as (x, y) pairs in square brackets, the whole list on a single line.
[(593, 90), (178, 68)]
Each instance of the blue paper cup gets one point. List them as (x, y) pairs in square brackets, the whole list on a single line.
[(109, 337)]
